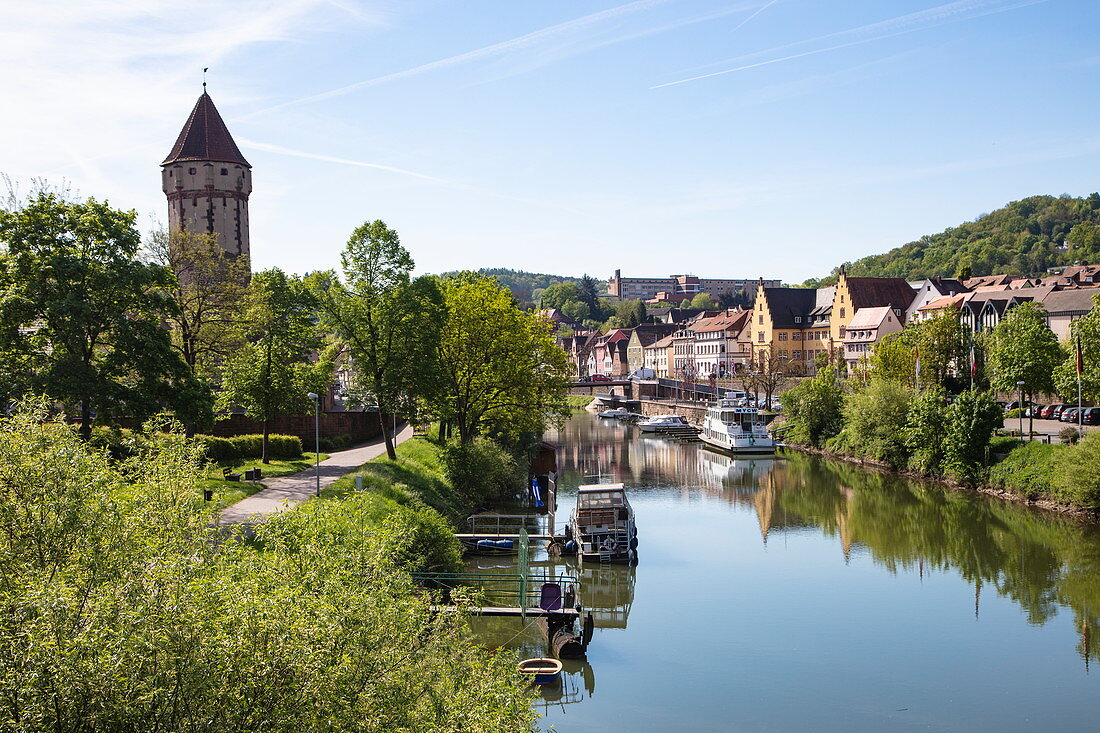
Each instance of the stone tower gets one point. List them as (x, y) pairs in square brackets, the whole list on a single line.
[(207, 180)]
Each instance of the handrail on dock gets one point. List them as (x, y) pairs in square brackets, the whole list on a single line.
[(498, 588)]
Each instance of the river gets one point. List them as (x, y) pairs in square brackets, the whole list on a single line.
[(800, 594)]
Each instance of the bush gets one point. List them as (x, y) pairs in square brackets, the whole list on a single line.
[(482, 473), (334, 443), (1069, 436), (970, 423), (121, 443), (1014, 413), (1004, 444), (875, 420), (218, 449), (813, 408), (1077, 472), (278, 446), (924, 431), (1027, 470)]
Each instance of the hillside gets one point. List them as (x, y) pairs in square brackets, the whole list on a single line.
[(527, 286), (1023, 238)]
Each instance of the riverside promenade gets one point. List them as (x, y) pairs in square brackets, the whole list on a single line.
[(286, 492)]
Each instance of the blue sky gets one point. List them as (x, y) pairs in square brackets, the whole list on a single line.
[(752, 138)]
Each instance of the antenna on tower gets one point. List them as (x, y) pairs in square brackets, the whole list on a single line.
[(204, 70)]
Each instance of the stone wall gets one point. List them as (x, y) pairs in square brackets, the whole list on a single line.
[(361, 426)]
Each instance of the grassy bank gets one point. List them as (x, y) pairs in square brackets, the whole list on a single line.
[(415, 477), (579, 401), (230, 492)]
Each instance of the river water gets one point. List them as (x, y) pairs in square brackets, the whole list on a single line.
[(799, 594)]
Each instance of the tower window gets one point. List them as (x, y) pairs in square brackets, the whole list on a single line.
[(191, 171), (225, 171)]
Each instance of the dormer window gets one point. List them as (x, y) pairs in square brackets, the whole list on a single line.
[(798, 319)]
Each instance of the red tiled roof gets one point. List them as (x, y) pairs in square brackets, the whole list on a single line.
[(205, 137)]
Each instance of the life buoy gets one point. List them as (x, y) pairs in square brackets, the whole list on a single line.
[(607, 544)]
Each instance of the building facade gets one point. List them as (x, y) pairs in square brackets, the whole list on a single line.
[(682, 287)]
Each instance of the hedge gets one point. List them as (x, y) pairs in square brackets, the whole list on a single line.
[(250, 446)]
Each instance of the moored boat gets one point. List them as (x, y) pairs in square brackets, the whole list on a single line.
[(602, 524), (658, 422), (736, 429), (541, 670)]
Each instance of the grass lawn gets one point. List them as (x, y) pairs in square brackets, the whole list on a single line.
[(416, 474), (579, 401), (230, 492)]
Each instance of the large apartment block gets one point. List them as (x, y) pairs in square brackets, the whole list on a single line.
[(681, 287)]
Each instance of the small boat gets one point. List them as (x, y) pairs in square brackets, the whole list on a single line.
[(488, 546), (541, 670), (602, 524), (628, 416), (617, 412), (735, 429), (658, 422)]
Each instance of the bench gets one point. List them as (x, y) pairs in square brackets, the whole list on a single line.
[(228, 475)]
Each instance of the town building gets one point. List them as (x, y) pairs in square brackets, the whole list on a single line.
[(715, 348), (930, 290), (1063, 307), (865, 330), (641, 337), (854, 293), (678, 288), (659, 358), (208, 181)]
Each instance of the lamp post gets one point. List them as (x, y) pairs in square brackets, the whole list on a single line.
[(1020, 389), (316, 438)]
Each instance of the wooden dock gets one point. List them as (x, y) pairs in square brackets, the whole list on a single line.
[(495, 536)]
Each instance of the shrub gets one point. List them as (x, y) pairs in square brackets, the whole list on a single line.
[(1027, 470), (1014, 413), (1069, 436), (813, 407), (1004, 444), (278, 446), (218, 449), (121, 443), (482, 473), (970, 423), (924, 433), (875, 419), (334, 443), (1077, 472)]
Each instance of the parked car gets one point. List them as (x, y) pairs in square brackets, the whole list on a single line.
[(1048, 411), (599, 378), (1090, 416), (1068, 415), (1056, 413), (1035, 411)]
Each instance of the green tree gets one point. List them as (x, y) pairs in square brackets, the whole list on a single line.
[(814, 407), (589, 293), (1086, 332), (971, 420), (943, 346), (703, 301), (500, 370), (208, 292), (80, 316), (388, 323), (875, 418), (560, 294), (1022, 348), (125, 611), (273, 373), (924, 433)]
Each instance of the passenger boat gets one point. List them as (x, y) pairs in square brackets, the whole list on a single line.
[(663, 421), (602, 524), (736, 429)]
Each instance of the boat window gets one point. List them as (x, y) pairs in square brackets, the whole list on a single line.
[(601, 499)]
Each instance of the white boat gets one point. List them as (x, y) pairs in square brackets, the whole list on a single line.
[(736, 429), (617, 412), (663, 421), (602, 524)]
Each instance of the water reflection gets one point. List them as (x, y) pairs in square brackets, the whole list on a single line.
[(1041, 561)]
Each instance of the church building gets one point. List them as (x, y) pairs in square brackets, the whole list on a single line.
[(207, 180)]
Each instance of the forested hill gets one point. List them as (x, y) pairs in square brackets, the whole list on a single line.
[(1023, 238), (526, 286)]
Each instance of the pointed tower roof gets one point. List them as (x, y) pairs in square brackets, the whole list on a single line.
[(205, 137)]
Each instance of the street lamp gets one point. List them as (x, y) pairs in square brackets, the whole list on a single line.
[(1020, 389), (316, 437)]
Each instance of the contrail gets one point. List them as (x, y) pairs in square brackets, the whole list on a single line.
[(910, 23), (279, 150), (759, 10), (496, 49)]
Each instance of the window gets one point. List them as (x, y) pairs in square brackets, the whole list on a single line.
[(782, 337), (225, 171), (841, 312), (798, 319), (760, 337), (191, 171), (782, 353), (761, 321)]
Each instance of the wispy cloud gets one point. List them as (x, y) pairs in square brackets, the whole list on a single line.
[(755, 13), (279, 150), (555, 32), (953, 12)]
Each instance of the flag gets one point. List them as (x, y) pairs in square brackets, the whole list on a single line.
[(1080, 360), (973, 360), (916, 353)]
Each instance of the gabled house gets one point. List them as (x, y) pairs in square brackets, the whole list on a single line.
[(854, 293), (1063, 307), (716, 348), (641, 337), (931, 290), (659, 358), (864, 331)]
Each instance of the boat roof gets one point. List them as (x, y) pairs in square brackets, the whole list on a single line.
[(658, 417), (601, 487)]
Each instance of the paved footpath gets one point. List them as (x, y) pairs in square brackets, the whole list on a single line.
[(286, 492)]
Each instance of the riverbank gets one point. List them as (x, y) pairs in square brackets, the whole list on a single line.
[(1001, 492)]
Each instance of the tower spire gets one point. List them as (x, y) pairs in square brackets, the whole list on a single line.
[(204, 70)]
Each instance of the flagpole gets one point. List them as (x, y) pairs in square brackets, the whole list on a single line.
[(1080, 365)]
